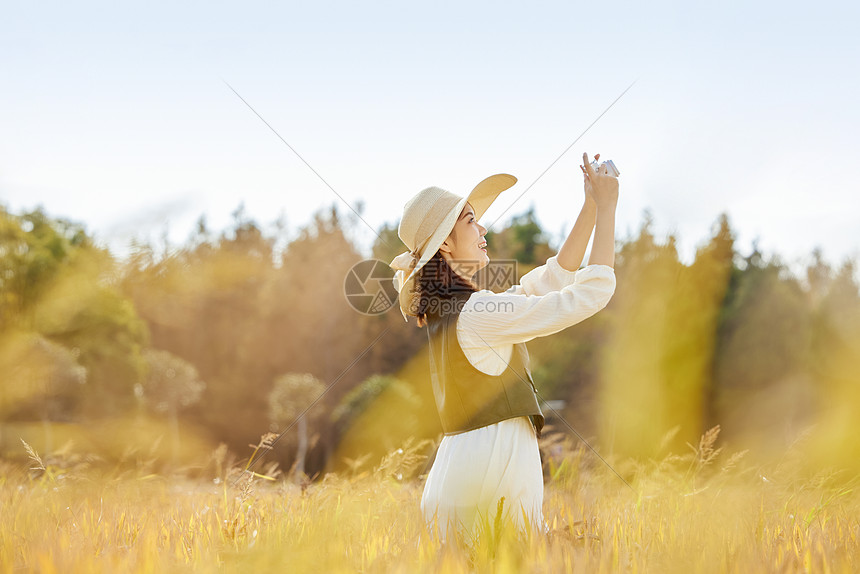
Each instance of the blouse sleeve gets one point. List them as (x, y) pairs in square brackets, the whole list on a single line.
[(541, 280), (520, 315)]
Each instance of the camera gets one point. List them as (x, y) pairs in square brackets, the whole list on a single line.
[(610, 167)]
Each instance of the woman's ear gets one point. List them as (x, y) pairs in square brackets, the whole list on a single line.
[(446, 246)]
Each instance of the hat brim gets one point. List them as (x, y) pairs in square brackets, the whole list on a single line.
[(481, 198)]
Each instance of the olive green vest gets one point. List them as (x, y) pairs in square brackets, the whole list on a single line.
[(467, 398)]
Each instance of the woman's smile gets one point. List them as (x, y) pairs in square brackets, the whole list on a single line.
[(459, 249)]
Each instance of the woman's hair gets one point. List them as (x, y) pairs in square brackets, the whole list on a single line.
[(438, 285)]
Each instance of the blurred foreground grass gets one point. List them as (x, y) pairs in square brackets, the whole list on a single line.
[(704, 511)]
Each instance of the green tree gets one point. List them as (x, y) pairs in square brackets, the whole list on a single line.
[(522, 239), (40, 379), (55, 282), (761, 375), (171, 384), (292, 394), (206, 302), (835, 365), (33, 251), (658, 363)]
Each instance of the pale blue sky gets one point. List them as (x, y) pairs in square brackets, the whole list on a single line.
[(118, 116)]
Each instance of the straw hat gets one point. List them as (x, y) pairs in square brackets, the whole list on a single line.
[(428, 219)]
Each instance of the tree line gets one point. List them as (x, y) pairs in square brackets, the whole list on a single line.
[(238, 333)]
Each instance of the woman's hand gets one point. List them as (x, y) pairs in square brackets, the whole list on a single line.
[(589, 190), (600, 187), (604, 188)]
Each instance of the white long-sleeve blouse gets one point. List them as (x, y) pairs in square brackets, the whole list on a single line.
[(472, 470), (547, 300)]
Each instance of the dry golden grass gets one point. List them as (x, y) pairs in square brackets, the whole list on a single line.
[(704, 511)]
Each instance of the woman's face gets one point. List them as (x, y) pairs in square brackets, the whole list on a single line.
[(465, 250)]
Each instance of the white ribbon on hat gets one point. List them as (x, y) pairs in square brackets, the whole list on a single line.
[(404, 264)]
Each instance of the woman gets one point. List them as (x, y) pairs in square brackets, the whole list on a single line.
[(484, 392)]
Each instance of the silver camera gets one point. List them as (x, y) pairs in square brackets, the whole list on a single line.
[(610, 167)]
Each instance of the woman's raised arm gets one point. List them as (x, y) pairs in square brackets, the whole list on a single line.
[(573, 250), (604, 188)]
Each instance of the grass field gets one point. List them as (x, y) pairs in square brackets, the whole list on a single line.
[(705, 511)]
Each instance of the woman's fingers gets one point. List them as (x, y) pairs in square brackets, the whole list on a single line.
[(589, 191), (588, 169), (599, 185)]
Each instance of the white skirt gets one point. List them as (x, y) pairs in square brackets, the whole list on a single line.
[(474, 469)]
